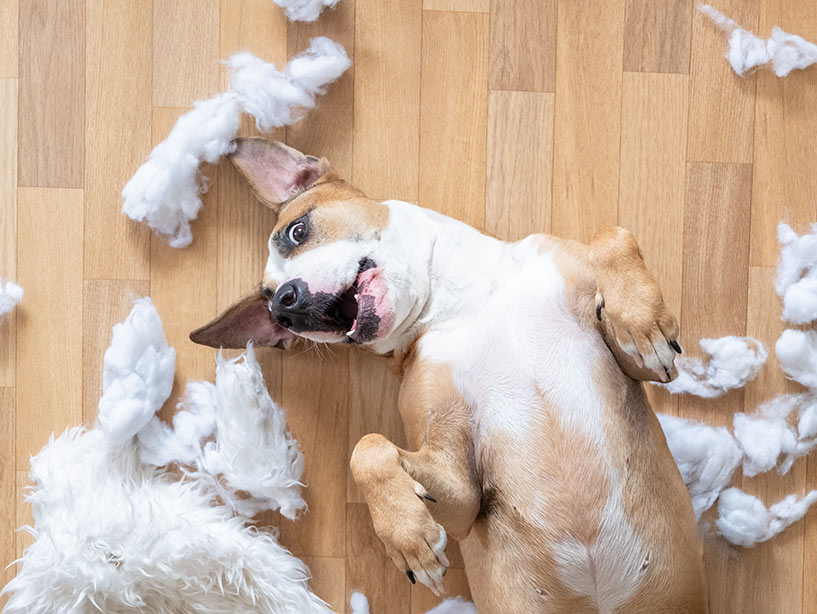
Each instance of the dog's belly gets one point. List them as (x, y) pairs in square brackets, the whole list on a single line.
[(555, 453)]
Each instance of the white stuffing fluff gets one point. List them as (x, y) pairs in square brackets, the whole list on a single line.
[(305, 10), (10, 295), (744, 520), (784, 51), (733, 362), (796, 281), (797, 352), (458, 605), (115, 535), (706, 456), (165, 191), (138, 373)]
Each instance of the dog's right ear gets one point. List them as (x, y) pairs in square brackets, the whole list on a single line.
[(246, 320), (274, 171)]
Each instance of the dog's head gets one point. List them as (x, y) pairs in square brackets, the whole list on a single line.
[(335, 272)]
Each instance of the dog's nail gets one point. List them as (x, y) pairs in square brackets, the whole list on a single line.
[(410, 575), (598, 310), (674, 345), (667, 372), (429, 497)]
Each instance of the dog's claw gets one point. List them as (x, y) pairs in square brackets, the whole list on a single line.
[(669, 377), (674, 345), (428, 497), (411, 577)]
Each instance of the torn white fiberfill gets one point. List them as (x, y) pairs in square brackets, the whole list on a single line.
[(733, 362), (304, 10), (797, 352), (457, 605), (796, 281), (138, 373), (165, 191), (359, 603), (10, 295), (706, 456), (745, 521), (746, 51)]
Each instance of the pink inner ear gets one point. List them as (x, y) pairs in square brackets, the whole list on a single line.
[(247, 320)]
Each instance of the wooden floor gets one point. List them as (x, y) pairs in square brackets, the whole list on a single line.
[(515, 116)]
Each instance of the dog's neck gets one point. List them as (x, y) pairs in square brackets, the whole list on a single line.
[(456, 266)]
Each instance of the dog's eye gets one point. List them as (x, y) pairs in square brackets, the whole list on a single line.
[(297, 232)]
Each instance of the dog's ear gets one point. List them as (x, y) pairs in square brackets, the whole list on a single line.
[(246, 320), (274, 171)]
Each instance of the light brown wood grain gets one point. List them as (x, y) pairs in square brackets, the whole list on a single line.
[(453, 114), (467, 6), (721, 103), (52, 90), (254, 26), (8, 221), (118, 94), (587, 116), (657, 35), (520, 164), (9, 12), (105, 303), (369, 569), (328, 579), (387, 98), (49, 330), (523, 45), (183, 283), (784, 181), (8, 486), (185, 51)]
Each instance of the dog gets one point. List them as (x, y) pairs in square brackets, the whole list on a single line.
[(533, 442)]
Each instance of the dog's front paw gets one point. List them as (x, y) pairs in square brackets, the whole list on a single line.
[(413, 539), (638, 321)]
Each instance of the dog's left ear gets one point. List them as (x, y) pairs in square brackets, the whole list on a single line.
[(275, 171), (246, 320)]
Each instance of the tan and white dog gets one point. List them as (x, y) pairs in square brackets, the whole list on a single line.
[(535, 446)]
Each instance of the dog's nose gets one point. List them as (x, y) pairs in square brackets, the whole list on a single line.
[(289, 301)]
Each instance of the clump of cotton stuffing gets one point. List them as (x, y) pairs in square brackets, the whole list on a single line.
[(796, 281), (137, 375), (745, 521), (733, 362), (10, 296), (797, 353), (305, 10), (164, 193)]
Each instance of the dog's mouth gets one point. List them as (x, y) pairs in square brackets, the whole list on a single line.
[(356, 308)]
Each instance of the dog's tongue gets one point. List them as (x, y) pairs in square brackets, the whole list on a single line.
[(372, 310)]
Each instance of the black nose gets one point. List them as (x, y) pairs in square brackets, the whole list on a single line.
[(290, 300)]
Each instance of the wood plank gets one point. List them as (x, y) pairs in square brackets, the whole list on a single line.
[(652, 184), (8, 486), (315, 398), (587, 117), (328, 129), (328, 579), (118, 93), (387, 98), (185, 51), (49, 330), (715, 266), (8, 221), (373, 390), (776, 565), (464, 6), (520, 164), (523, 45), (368, 568), (785, 175), (9, 12), (183, 282), (721, 104), (52, 93), (254, 26), (454, 115), (657, 35), (106, 302)]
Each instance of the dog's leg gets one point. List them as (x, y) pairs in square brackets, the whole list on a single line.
[(416, 498)]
